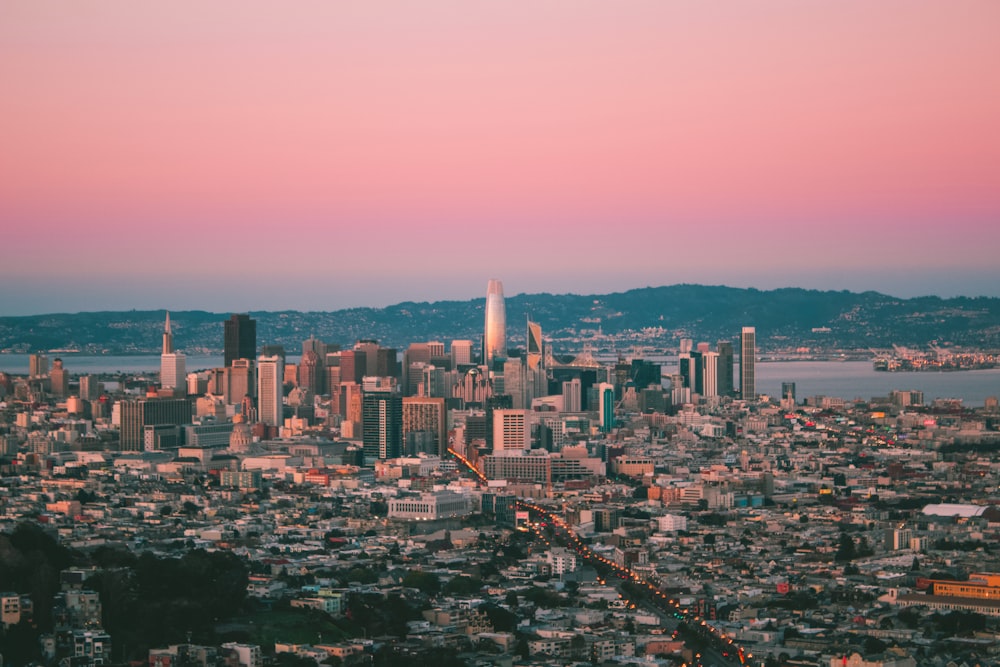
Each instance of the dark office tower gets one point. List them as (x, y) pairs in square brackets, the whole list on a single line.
[(685, 368), (495, 337), (382, 424), (748, 356), (698, 373), (387, 363), (726, 358), (137, 414), (788, 391), (645, 373), (240, 338)]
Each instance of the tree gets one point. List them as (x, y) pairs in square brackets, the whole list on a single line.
[(462, 585), (425, 582), (846, 551)]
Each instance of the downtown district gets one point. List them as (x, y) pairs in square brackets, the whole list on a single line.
[(484, 506)]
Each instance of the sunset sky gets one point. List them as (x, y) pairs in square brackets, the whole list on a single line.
[(249, 155)]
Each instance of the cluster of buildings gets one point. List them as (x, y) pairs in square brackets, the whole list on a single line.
[(809, 532)]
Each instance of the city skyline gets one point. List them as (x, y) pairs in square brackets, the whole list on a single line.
[(151, 155)]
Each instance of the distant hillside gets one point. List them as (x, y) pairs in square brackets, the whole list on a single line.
[(656, 316)]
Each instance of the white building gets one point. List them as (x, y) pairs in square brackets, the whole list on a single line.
[(561, 561), (669, 523), (269, 393), (430, 506), (249, 655), (511, 431)]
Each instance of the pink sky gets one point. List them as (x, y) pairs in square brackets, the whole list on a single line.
[(316, 155)]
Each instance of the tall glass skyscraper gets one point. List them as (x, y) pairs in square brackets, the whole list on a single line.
[(240, 338), (495, 336), (748, 352)]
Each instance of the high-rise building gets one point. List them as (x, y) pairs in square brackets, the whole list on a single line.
[(461, 353), (352, 365), (606, 406), (90, 388), (137, 414), (495, 335), (572, 399), (240, 338), (515, 383), (710, 372), (59, 379), (382, 424), (726, 359), (269, 391), (685, 368), (38, 365), (535, 351), (238, 382), (748, 352), (698, 373), (415, 358), (310, 373), (378, 361), (511, 431), (173, 365), (426, 415)]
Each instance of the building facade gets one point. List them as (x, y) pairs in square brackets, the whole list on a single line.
[(495, 333), (748, 355), (239, 338)]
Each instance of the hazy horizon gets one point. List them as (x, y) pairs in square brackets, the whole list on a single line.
[(224, 310), (318, 156)]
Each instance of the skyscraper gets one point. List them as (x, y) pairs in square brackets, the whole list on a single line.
[(515, 383), (173, 365), (748, 351), (90, 388), (382, 424), (535, 353), (426, 415), (571, 391), (137, 414), (240, 338), (725, 387), (59, 379), (461, 353), (511, 431), (415, 358), (710, 371), (38, 365), (269, 393), (606, 406), (495, 336)]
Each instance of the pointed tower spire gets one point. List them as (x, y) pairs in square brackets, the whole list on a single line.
[(168, 337)]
